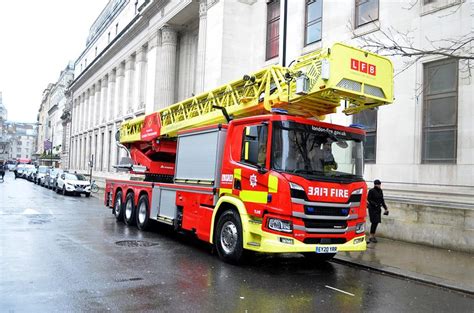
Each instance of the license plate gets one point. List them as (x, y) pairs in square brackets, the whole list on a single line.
[(79, 189), (326, 249)]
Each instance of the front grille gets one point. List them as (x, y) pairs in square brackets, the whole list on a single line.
[(332, 224), (326, 211), (324, 241), (80, 186)]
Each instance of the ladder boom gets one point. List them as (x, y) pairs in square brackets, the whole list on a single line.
[(315, 85)]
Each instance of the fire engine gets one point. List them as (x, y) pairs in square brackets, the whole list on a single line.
[(251, 166)]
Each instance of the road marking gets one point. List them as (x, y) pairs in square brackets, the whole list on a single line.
[(347, 293), (30, 212)]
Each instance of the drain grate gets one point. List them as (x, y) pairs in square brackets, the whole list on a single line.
[(135, 243)]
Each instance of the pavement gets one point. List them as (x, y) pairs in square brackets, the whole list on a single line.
[(444, 268)]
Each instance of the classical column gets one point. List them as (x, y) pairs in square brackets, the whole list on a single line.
[(168, 64), (111, 97), (129, 82), (141, 77), (113, 147), (151, 71), (201, 51), (97, 104), (119, 91), (90, 114), (103, 100)]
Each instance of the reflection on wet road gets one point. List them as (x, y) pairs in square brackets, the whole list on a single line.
[(68, 254)]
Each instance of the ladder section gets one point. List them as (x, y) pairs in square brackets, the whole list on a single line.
[(315, 85)]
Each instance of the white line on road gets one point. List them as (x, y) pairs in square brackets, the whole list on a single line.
[(347, 293)]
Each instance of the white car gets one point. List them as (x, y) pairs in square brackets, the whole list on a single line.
[(77, 184), (40, 175)]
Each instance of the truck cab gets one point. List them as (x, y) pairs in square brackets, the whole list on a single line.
[(300, 179)]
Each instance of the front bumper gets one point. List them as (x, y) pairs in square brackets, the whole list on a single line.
[(258, 240)]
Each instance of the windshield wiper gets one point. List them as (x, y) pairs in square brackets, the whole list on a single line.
[(303, 171)]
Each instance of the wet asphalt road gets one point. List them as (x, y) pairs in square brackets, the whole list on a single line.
[(64, 254)]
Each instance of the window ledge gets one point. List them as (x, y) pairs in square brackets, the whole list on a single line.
[(273, 61), (366, 29), (438, 6), (312, 47)]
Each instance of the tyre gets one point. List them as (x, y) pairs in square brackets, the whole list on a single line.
[(88, 195), (143, 213), (129, 211), (94, 188), (228, 238), (318, 257), (64, 191), (118, 207)]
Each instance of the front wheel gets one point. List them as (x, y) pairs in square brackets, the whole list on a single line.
[(129, 212), (64, 191), (143, 213), (94, 188), (228, 237), (88, 195)]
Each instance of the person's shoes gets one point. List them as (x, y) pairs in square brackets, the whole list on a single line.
[(373, 239)]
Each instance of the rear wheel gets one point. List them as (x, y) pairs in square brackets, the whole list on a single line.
[(118, 207), (143, 213), (228, 237), (129, 212)]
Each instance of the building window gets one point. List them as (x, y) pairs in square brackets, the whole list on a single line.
[(428, 1), (95, 51), (108, 36), (273, 29), (366, 11), (440, 102), (85, 63), (314, 16), (368, 119), (116, 29), (136, 7)]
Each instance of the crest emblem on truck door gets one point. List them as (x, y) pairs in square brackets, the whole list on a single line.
[(253, 180)]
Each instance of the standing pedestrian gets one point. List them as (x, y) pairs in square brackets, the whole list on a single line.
[(375, 202)]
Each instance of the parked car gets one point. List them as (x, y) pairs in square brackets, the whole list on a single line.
[(76, 184), (19, 169), (51, 179), (40, 175), (29, 172)]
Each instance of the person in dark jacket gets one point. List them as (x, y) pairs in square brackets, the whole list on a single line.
[(375, 202)]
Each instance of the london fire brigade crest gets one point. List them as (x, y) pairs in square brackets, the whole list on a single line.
[(253, 180)]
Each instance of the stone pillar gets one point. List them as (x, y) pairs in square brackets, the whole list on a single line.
[(113, 147), (168, 64), (152, 73), (119, 92), (107, 152), (97, 104), (87, 150), (90, 113), (141, 77), (129, 82), (111, 97), (83, 112), (201, 53), (103, 100)]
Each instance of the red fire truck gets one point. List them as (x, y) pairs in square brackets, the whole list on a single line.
[(252, 166)]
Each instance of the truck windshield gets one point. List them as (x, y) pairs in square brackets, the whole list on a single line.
[(318, 152)]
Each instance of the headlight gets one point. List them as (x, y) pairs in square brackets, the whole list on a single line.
[(297, 191), (357, 191), (360, 228), (280, 225)]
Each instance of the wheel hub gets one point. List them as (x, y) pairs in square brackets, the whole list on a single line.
[(142, 213), (128, 210), (229, 237), (118, 203)]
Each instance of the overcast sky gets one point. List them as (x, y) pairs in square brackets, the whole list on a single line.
[(37, 40)]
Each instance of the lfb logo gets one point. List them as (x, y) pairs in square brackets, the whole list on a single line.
[(363, 67)]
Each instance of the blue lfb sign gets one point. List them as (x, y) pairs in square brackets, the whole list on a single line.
[(48, 145)]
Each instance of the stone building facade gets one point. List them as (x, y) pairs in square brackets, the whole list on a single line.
[(144, 55)]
